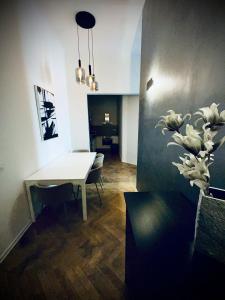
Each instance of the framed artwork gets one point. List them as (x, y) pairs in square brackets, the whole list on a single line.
[(46, 113)]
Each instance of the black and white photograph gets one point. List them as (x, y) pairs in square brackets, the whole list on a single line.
[(46, 113)]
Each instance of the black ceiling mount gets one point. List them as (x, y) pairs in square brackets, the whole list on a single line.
[(85, 19)]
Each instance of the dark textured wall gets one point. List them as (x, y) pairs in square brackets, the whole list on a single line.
[(183, 51), (98, 105)]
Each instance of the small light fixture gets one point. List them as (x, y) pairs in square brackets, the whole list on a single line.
[(106, 117), (94, 84), (80, 72), (89, 78), (149, 84)]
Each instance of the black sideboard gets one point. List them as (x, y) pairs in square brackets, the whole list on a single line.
[(159, 240)]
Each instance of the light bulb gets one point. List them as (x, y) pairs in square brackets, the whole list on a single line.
[(89, 80), (94, 84), (80, 73)]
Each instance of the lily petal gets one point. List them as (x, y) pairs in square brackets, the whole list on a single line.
[(174, 144), (187, 116), (164, 129), (218, 144)]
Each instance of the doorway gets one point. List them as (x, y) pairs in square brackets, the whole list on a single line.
[(113, 126), (104, 123)]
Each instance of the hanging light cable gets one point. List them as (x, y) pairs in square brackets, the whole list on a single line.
[(80, 72), (94, 85), (89, 78)]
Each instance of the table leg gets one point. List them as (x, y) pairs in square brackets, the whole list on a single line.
[(84, 202), (30, 202)]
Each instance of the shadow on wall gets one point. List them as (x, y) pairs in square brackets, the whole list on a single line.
[(19, 213), (18, 145)]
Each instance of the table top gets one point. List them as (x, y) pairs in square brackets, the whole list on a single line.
[(70, 166)]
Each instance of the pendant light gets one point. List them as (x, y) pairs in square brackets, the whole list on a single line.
[(89, 78), (80, 72), (86, 20), (94, 84)]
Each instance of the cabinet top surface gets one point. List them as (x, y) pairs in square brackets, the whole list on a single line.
[(157, 218)]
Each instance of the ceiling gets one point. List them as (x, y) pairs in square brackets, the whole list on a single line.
[(116, 22)]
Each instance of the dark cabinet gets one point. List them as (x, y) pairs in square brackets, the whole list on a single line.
[(104, 130), (159, 236)]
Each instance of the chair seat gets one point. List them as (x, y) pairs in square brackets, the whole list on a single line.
[(53, 196)]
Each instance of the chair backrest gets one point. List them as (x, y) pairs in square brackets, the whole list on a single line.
[(81, 150), (53, 194), (94, 175), (99, 159)]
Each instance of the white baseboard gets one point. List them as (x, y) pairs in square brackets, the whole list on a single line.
[(14, 242)]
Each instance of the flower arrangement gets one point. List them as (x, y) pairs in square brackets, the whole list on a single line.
[(198, 140)]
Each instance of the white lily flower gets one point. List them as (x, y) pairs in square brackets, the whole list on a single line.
[(195, 169), (204, 186), (192, 141), (208, 136), (211, 115), (172, 122)]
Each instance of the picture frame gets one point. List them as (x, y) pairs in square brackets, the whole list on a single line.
[(45, 102)]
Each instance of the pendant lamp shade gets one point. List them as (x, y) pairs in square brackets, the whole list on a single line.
[(94, 85), (89, 78), (80, 73)]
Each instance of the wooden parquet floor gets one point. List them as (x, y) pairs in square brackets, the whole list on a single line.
[(84, 262)]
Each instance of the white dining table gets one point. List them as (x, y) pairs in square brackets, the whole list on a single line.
[(68, 168)]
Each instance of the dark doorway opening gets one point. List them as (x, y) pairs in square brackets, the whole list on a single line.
[(104, 123)]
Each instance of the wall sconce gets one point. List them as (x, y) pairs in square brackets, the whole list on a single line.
[(86, 20), (149, 84)]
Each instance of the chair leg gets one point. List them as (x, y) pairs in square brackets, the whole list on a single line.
[(98, 194), (66, 216), (100, 183), (101, 178), (74, 193), (42, 205), (78, 190)]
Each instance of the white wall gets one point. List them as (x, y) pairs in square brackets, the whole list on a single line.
[(129, 129), (31, 54)]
